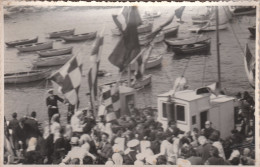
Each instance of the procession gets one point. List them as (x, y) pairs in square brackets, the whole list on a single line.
[(169, 86)]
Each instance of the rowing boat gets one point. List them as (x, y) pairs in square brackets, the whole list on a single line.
[(196, 48), (35, 46), (170, 32), (208, 27), (145, 81), (249, 62), (149, 15), (185, 41), (143, 40), (152, 62), (52, 61), (21, 42), (58, 34), (55, 52), (80, 37), (26, 76), (242, 10)]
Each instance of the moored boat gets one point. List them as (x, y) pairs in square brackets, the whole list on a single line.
[(143, 40), (145, 81), (252, 30), (35, 46), (26, 76), (151, 15), (80, 37), (185, 41), (58, 34), (170, 32), (52, 61), (242, 10), (201, 19), (209, 27), (21, 42), (152, 62), (196, 48), (55, 52)]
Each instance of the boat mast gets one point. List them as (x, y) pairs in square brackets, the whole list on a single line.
[(217, 43)]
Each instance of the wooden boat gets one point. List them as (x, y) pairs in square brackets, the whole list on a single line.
[(185, 41), (35, 46), (242, 10), (52, 61), (196, 48), (252, 30), (80, 37), (143, 40), (149, 15), (26, 76), (146, 80), (170, 32), (54, 52), (152, 62), (21, 42), (144, 28), (209, 27), (201, 19), (249, 61), (58, 34)]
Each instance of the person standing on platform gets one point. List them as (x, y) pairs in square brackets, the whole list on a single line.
[(52, 103)]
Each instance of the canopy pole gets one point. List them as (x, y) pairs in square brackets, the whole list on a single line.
[(217, 43)]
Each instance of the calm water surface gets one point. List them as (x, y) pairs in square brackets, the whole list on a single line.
[(201, 70)]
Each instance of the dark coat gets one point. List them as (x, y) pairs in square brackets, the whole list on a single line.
[(130, 158), (203, 151)]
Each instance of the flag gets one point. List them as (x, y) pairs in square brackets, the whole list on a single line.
[(179, 11), (68, 78), (111, 100), (128, 46), (93, 71)]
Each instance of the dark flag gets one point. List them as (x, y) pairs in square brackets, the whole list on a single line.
[(179, 11), (93, 71), (128, 46)]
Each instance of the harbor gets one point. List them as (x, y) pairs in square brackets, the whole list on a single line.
[(188, 51)]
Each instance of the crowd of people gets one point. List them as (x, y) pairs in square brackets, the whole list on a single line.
[(130, 140)]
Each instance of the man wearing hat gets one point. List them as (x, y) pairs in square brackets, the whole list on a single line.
[(106, 150), (131, 152), (13, 124), (208, 129), (52, 103)]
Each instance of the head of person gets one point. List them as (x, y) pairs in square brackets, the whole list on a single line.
[(202, 140), (14, 115), (131, 104), (235, 161), (208, 124), (74, 141), (172, 124), (50, 92), (246, 94), (161, 160), (87, 160), (104, 137), (33, 114), (55, 118), (214, 152), (89, 113)]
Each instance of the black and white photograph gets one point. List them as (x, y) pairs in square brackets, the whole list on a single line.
[(130, 84)]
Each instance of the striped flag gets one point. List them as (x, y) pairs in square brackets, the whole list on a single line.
[(93, 71), (128, 46), (68, 78), (111, 100)]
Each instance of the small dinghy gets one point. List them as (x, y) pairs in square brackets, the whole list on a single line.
[(21, 42), (196, 48), (26, 76), (151, 15), (80, 37), (35, 46), (143, 40), (52, 61), (54, 52), (170, 32), (58, 34), (152, 62), (145, 81), (242, 10), (185, 41), (201, 19)]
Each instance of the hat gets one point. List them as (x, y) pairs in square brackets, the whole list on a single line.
[(140, 156), (208, 123), (50, 91), (234, 154), (133, 143), (74, 140)]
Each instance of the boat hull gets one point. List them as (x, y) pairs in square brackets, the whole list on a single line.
[(185, 41), (59, 34), (55, 52), (151, 16), (21, 42), (25, 77), (34, 47), (145, 28), (144, 40), (80, 37), (171, 32), (152, 62), (193, 49), (52, 61), (209, 28), (145, 81)]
